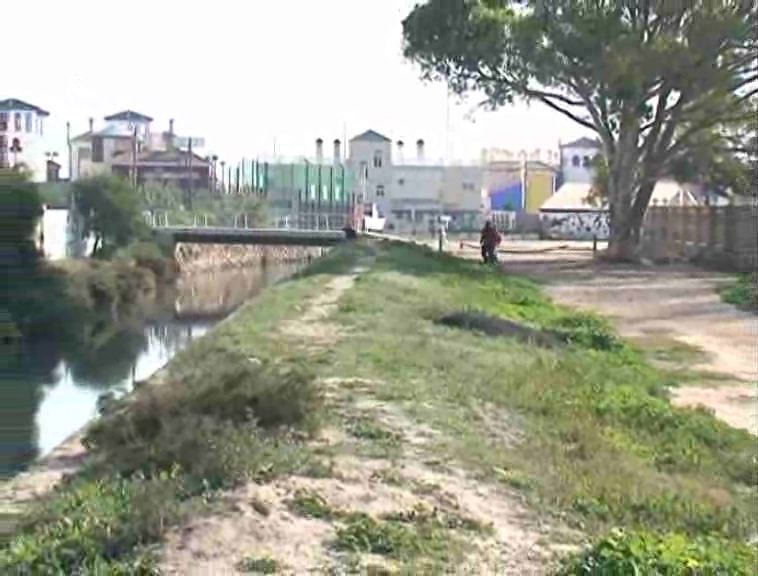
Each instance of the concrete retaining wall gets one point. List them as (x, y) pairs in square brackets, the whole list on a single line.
[(204, 257)]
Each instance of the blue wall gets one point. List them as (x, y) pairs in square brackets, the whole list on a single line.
[(513, 195)]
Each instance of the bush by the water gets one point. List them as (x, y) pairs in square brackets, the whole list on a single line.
[(640, 552), (220, 418), (96, 527), (216, 417)]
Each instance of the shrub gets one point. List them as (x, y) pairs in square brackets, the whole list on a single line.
[(670, 554), (213, 418), (588, 331), (20, 208), (150, 256), (743, 293), (93, 527)]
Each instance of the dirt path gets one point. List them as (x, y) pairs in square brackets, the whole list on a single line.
[(377, 461), (678, 303)]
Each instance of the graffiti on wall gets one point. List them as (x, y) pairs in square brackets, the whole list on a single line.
[(576, 225)]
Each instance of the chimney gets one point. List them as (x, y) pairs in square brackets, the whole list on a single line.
[(91, 124), (319, 150), (420, 149), (400, 145), (337, 152), (171, 126)]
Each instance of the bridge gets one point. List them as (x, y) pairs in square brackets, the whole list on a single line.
[(259, 236)]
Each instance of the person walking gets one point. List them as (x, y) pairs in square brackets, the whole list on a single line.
[(489, 241)]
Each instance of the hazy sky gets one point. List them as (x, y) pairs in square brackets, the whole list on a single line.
[(245, 73)]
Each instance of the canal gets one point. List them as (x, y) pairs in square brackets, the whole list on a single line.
[(47, 394)]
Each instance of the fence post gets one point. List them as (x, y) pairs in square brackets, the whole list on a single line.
[(730, 234)]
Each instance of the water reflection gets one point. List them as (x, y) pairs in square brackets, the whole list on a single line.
[(47, 391)]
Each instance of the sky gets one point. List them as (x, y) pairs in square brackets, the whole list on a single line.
[(250, 77)]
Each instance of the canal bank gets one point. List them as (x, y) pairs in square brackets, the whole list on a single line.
[(353, 417)]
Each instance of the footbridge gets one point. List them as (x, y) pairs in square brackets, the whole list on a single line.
[(251, 236)]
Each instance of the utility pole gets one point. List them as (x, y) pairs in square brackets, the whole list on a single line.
[(70, 155), (134, 157), (189, 168)]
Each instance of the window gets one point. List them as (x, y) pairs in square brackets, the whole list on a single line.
[(325, 192), (400, 181), (41, 125), (364, 171), (586, 162), (97, 149), (468, 186), (29, 123), (380, 191), (17, 121), (575, 161), (3, 121), (377, 159)]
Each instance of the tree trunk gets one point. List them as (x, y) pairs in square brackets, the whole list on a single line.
[(626, 218)]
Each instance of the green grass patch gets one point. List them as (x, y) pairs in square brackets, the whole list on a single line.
[(399, 540), (642, 552), (264, 565), (312, 505), (743, 293), (599, 439)]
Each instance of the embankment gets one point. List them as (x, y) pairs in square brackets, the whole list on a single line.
[(337, 424), (192, 258)]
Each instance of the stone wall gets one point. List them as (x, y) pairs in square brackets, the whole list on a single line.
[(193, 258)]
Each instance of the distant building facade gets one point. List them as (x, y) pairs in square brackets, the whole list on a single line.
[(22, 137), (126, 145), (577, 158), (410, 190)]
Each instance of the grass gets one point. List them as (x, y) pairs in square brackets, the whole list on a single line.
[(592, 437), (743, 293), (263, 565), (601, 442), (670, 351)]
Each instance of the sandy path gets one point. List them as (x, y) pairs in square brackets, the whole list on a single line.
[(676, 301)]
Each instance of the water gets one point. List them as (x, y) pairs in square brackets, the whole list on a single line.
[(47, 394)]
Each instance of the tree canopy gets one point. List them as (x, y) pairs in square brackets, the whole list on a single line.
[(20, 210), (650, 77), (110, 209)]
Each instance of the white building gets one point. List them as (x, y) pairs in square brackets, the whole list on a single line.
[(22, 137), (576, 160), (408, 188), (93, 152)]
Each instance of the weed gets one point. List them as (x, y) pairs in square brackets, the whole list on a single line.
[(642, 552), (743, 293), (366, 429), (96, 527), (453, 520), (263, 565), (398, 540), (311, 505)]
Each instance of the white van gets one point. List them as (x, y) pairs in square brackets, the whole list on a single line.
[(373, 221)]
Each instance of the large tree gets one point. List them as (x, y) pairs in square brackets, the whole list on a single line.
[(111, 210), (649, 77)]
